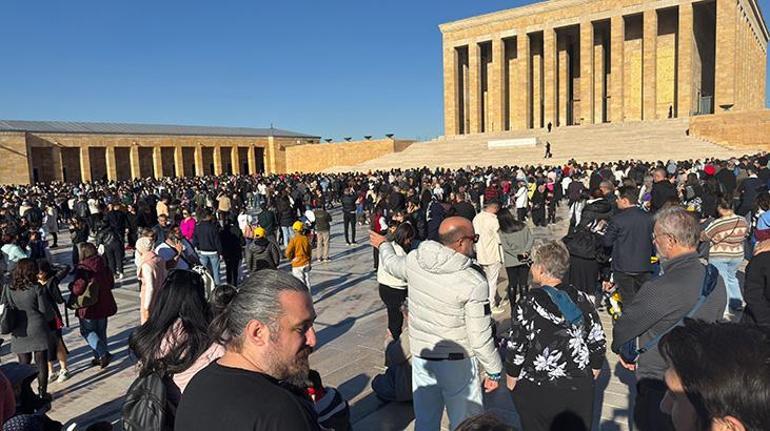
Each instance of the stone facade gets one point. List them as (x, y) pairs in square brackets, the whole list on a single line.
[(29, 156), (738, 130), (569, 62), (316, 158)]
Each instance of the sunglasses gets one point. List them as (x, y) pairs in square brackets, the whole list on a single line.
[(474, 238)]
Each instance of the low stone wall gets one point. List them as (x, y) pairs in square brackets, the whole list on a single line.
[(318, 157), (739, 130)]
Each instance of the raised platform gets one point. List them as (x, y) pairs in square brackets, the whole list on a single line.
[(649, 140)]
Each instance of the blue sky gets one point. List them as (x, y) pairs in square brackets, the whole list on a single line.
[(333, 68)]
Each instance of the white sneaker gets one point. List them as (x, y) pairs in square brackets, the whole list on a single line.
[(63, 376)]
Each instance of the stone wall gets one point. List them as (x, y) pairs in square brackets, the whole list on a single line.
[(15, 167), (317, 157), (749, 130)]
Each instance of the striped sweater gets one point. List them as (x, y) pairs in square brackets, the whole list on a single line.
[(726, 235)]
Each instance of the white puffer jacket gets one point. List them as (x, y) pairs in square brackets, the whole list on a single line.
[(448, 303)]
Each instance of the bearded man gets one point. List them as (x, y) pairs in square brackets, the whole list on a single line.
[(267, 330)]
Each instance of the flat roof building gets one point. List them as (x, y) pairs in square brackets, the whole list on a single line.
[(34, 151), (572, 62)]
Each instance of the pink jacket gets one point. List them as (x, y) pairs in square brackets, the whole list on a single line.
[(152, 273), (187, 226)]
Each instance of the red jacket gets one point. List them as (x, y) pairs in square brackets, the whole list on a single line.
[(94, 266)]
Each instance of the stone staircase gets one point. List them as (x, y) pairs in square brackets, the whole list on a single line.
[(649, 140)]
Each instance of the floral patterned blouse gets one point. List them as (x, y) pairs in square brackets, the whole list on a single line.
[(543, 347)]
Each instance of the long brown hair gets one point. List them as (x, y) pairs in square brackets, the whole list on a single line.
[(24, 274)]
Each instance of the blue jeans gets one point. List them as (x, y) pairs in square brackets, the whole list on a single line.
[(288, 233), (728, 268), (95, 333), (454, 384), (211, 261)]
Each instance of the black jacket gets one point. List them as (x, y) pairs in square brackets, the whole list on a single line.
[(629, 233), (232, 241), (262, 254), (757, 290), (661, 192), (600, 209), (348, 203), (206, 237)]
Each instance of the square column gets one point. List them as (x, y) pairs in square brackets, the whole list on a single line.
[(684, 96), (58, 172), (217, 160), (549, 76), (178, 161), (649, 69), (617, 37), (235, 160), (133, 156), (252, 160), (586, 73), (109, 159), (523, 113), (562, 73), (199, 160), (451, 120), (495, 87), (85, 164), (474, 84), (157, 162)]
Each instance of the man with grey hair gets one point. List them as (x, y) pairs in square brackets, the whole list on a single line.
[(450, 324), (662, 302), (267, 330)]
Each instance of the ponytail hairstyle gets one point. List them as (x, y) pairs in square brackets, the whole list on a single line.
[(257, 298)]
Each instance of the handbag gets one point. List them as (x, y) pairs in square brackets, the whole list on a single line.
[(8, 318)]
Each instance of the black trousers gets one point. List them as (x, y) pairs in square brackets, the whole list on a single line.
[(629, 283), (41, 361), (232, 265), (647, 414), (75, 256), (521, 213), (376, 255), (393, 298), (517, 281), (349, 223), (114, 255), (565, 406), (55, 236)]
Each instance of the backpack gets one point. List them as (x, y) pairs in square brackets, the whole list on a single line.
[(146, 407), (582, 243), (88, 298)]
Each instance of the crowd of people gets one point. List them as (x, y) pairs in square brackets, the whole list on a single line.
[(473, 302)]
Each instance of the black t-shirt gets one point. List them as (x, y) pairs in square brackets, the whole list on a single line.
[(239, 400)]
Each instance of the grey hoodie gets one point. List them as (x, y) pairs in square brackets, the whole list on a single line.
[(448, 303)]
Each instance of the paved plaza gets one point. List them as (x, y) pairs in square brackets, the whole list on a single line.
[(351, 329)]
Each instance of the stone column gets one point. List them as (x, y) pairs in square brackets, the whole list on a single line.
[(85, 164), (157, 162), (235, 160), (217, 160), (562, 76), (133, 156), (686, 37), (58, 171), (617, 37), (549, 76), (586, 73), (649, 69), (199, 171), (495, 91), (523, 113), (179, 169), (451, 126), (252, 160), (474, 83), (109, 160)]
